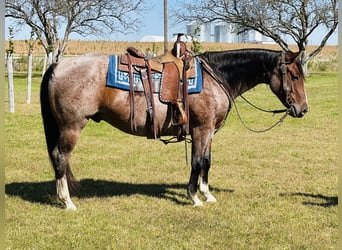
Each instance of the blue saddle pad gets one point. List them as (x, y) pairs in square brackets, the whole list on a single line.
[(120, 79)]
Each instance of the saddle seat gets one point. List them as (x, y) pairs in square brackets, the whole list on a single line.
[(138, 60)]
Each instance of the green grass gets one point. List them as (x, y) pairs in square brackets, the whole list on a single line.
[(275, 190)]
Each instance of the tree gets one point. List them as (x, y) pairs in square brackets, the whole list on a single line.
[(277, 19), (54, 20)]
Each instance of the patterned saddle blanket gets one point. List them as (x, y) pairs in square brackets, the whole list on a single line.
[(119, 78)]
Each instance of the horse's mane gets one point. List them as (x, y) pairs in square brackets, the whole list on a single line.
[(234, 64), (237, 66)]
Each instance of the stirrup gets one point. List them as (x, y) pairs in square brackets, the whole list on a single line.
[(181, 117)]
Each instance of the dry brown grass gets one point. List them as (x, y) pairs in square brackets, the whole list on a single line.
[(77, 47)]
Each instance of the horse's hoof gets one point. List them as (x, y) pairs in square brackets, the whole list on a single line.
[(70, 207), (198, 204), (211, 199), (197, 201)]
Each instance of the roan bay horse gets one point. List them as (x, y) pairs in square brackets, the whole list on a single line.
[(74, 91)]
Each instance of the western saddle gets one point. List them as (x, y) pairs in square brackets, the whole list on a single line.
[(175, 66)]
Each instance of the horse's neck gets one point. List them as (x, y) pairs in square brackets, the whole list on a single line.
[(242, 70), (245, 80)]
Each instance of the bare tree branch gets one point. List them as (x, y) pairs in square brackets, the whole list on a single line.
[(276, 19), (55, 20)]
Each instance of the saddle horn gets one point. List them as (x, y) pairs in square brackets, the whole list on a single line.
[(179, 47)]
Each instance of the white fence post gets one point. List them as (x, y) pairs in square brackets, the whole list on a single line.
[(29, 78), (10, 82)]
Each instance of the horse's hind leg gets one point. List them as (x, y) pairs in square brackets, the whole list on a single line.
[(63, 193), (60, 161)]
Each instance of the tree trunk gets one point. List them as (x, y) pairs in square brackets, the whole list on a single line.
[(44, 63), (29, 78), (50, 60), (304, 61), (10, 83)]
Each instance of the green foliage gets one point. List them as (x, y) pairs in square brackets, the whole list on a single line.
[(323, 65), (152, 52), (276, 190), (33, 39), (50, 48), (20, 63), (196, 46), (10, 49)]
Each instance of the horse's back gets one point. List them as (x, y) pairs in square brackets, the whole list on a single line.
[(82, 66)]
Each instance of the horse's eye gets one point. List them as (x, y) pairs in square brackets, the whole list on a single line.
[(294, 78)]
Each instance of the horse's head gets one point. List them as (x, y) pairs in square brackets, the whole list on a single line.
[(287, 83)]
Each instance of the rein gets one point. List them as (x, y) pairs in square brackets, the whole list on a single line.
[(281, 120), (287, 89), (276, 111)]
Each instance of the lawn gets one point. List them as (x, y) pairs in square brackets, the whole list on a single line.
[(275, 190)]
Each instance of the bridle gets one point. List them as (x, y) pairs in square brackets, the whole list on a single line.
[(286, 85)]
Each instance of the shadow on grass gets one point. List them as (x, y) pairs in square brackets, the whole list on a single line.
[(43, 192), (315, 199)]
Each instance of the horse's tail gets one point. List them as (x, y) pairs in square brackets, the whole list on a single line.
[(51, 129)]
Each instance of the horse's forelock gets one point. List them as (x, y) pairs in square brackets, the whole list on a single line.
[(300, 68)]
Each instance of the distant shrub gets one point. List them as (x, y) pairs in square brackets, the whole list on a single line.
[(327, 64), (152, 52), (20, 63)]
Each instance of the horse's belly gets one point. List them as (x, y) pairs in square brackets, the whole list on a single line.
[(118, 114)]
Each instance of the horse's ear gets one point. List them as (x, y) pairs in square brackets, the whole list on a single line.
[(292, 56)]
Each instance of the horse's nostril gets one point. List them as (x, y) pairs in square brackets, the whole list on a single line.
[(304, 111)]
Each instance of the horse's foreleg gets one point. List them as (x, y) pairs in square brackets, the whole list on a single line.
[(200, 165), (204, 184), (192, 187)]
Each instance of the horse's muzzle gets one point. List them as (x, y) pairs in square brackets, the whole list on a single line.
[(297, 111)]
